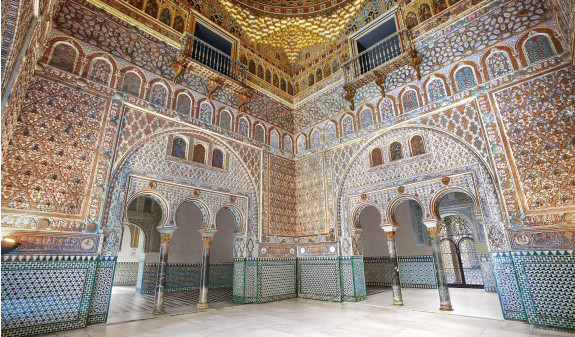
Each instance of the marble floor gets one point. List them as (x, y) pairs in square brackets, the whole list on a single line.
[(301, 317)]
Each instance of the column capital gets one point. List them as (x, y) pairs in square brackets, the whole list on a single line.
[(390, 235), (429, 223), (433, 232), (207, 240), (165, 237)]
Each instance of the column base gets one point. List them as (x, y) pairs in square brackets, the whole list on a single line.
[(399, 304), (445, 308), (203, 306), (158, 312)]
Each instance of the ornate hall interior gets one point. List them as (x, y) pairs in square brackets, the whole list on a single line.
[(288, 167)]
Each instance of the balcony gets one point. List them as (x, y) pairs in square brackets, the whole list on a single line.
[(213, 58), (378, 61)]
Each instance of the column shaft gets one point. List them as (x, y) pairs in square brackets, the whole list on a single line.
[(396, 285), (444, 300), (203, 301), (161, 278)]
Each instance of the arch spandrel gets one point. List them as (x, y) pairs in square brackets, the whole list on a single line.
[(420, 177)]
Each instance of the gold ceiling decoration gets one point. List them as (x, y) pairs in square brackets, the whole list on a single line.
[(290, 33)]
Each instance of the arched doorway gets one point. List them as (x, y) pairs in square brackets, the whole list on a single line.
[(460, 258), (138, 246)]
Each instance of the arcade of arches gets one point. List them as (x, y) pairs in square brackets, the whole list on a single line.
[(164, 157)]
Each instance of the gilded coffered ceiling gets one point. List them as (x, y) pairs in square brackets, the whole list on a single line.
[(289, 34)]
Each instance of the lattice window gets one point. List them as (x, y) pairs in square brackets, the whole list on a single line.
[(311, 80), (276, 81), (166, 17), (318, 75), (424, 12), (315, 139), (159, 95), (225, 120), (275, 139), (366, 118), (410, 101), (376, 157), (261, 72), (244, 127), (179, 24), (330, 131), (268, 76), (218, 158), (301, 147), (179, 146), (260, 133), (183, 104), (498, 64), (465, 78), (417, 145), (347, 125), (100, 71), (335, 65), (252, 67), (395, 151), (288, 146), (199, 154), (386, 109), (327, 70), (206, 111), (436, 90), (64, 57), (132, 83), (538, 47)]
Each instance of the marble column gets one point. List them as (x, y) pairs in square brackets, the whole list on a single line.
[(165, 235), (444, 300), (205, 276), (396, 285)]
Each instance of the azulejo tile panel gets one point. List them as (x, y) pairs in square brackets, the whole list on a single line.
[(102, 290), (276, 279), (186, 276), (547, 284), (319, 278), (487, 271), (414, 271), (507, 286), (126, 273), (49, 295)]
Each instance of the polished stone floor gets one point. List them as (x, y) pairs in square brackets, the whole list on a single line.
[(300, 317)]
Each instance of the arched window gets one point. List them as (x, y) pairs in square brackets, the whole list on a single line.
[(252, 67), (152, 8), (132, 83), (417, 145), (183, 104), (166, 17), (64, 57), (179, 24), (243, 59), (244, 127), (424, 12), (268, 76), (327, 70), (288, 146), (386, 109), (347, 125), (538, 47), (330, 131), (366, 118), (301, 146), (159, 95), (225, 120), (179, 146), (376, 157), (276, 81), (275, 139), (439, 6), (261, 72), (290, 88), (436, 90), (410, 101), (315, 139), (311, 80), (205, 114), (100, 71), (199, 154), (218, 158), (465, 78), (260, 133), (411, 20), (318, 75), (335, 65), (498, 64), (283, 85), (395, 151)]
